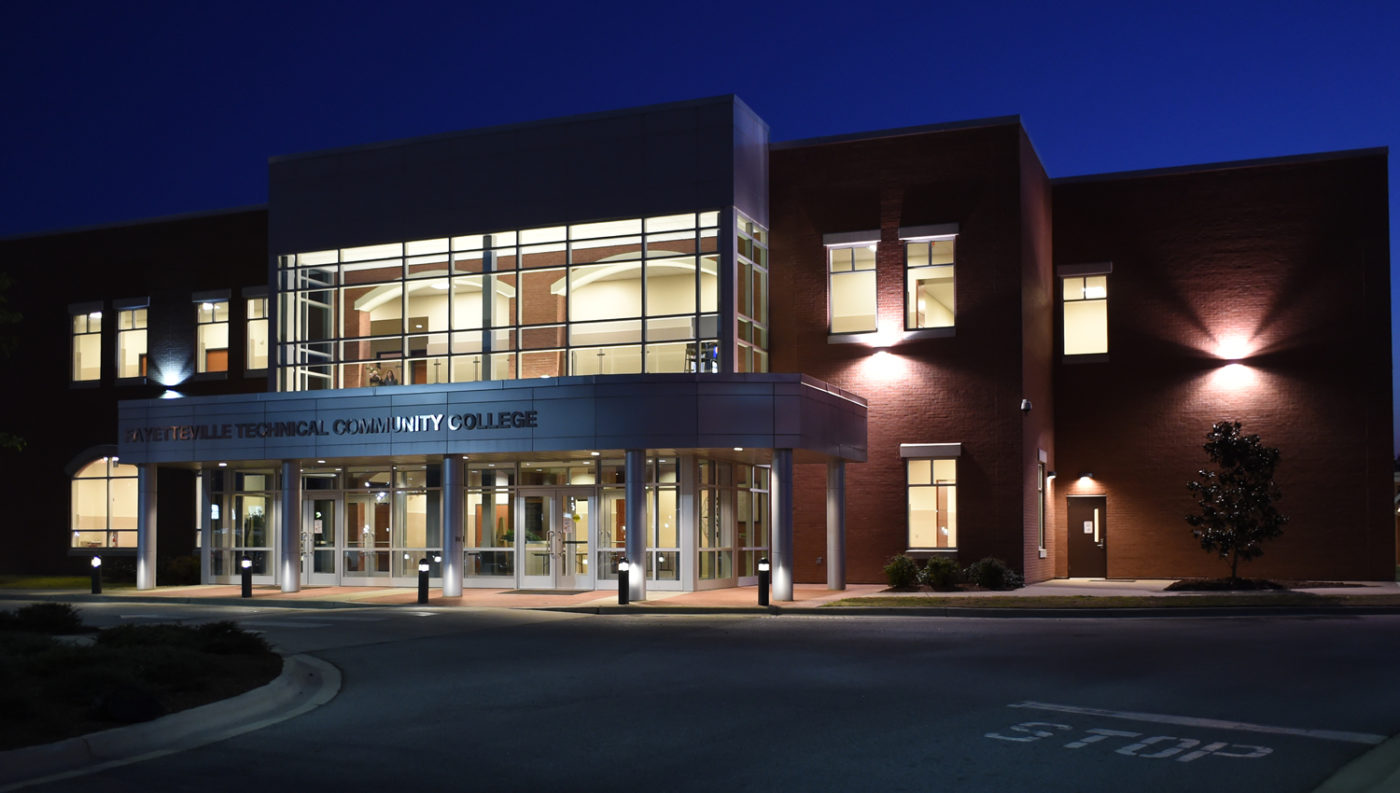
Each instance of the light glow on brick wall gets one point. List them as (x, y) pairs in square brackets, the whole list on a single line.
[(1234, 347)]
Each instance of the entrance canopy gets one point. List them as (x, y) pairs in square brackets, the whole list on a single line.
[(817, 421)]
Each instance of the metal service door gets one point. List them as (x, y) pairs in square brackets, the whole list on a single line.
[(1088, 537)]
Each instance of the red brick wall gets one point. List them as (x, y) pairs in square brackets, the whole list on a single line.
[(966, 388), (167, 261), (1293, 259)]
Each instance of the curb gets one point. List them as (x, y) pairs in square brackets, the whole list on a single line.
[(306, 683), (190, 601), (661, 608), (1377, 771)]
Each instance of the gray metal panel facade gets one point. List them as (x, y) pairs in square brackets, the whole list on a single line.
[(754, 411), (678, 157)]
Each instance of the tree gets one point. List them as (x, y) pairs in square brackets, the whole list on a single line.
[(1237, 500)]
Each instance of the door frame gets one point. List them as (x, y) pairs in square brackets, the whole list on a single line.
[(1074, 541), (309, 577), (558, 494)]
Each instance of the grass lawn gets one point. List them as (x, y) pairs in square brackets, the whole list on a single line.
[(61, 680), (44, 582), (1214, 600)]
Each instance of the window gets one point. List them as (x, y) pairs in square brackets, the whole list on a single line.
[(131, 342), (614, 297), (87, 345), (933, 502), (103, 509), (1086, 314), (211, 336), (257, 333), (1040, 482), (928, 282), (851, 285)]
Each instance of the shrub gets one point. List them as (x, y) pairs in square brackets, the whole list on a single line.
[(52, 618), (941, 573), (219, 638), (993, 573), (180, 570), (902, 572)]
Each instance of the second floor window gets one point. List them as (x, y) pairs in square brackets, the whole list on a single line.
[(928, 282), (257, 333), (1086, 314), (211, 336), (87, 346), (131, 342), (851, 287)]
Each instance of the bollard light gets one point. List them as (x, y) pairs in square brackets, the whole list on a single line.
[(97, 575), (764, 570), (247, 573), (423, 580), (624, 592)]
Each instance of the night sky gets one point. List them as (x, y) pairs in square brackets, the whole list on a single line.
[(122, 110)]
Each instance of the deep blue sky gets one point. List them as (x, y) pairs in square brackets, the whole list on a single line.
[(122, 110)]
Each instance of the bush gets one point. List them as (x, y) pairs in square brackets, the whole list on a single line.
[(941, 574), (219, 638), (52, 618), (993, 573), (179, 571), (902, 572)]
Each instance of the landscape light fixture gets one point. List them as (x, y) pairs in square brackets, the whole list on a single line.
[(423, 568), (624, 573), (247, 573), (763, 578), (97, 575)]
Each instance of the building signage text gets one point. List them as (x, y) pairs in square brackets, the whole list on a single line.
[(377, 425)]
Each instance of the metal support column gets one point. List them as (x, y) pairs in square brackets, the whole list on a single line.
[(290, 527), (146, 526), (780, 487), (836, 524), (453, 524), (206, 523), (636, 492)]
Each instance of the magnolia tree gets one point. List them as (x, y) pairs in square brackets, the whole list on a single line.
[(1237, 496)]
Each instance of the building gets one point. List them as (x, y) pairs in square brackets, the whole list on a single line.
[(500, 350)]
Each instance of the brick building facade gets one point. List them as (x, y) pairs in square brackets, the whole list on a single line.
[(1253, 291)]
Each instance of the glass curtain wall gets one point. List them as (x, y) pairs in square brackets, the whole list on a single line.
[(393, 518), (625, 296), (490, 535), (751, 296), (240, 521)]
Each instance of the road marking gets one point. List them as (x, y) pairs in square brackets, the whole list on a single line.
[(281, 624), (1029, 731), (1367, 738)]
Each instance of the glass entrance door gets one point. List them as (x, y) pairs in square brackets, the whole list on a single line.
[(554, 538), (320, 530)]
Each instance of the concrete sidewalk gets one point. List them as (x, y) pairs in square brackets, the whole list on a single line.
[(806, 597)]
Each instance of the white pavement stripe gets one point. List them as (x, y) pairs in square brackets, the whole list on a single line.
[(276, 624), (1191, 721)]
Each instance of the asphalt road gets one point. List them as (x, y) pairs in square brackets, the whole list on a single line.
[(501, 701)]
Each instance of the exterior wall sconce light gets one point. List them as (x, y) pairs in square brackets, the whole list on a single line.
[(624, 572), (1087, 475), (1049, 475), (97, 575), (247, 573), (1025, 406), (423, 568), (764, 574)]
